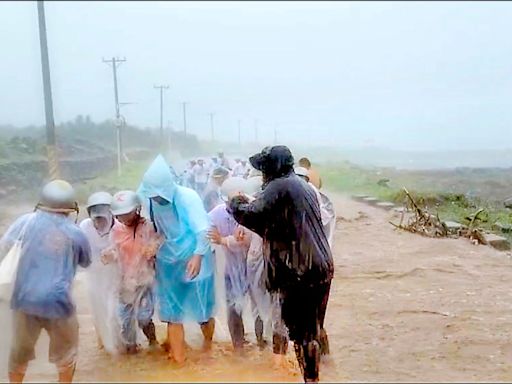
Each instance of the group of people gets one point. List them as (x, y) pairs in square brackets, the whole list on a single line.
[(200, 172), (265, 234)]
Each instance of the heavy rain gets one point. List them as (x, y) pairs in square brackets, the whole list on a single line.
[(255, 191)]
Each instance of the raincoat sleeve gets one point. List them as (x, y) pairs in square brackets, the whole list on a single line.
[(254, 215), (195, 217), (82, 249), (235, 245)]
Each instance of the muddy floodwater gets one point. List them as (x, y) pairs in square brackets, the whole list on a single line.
[(402, 308)]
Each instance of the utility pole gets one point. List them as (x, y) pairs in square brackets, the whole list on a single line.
[(115, 62), (239, 132), (51, 147), (169, 131), (256, 131), (161, 87), (185, 117), (211, 126)]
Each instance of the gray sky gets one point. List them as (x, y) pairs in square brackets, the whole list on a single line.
[(401, 75)]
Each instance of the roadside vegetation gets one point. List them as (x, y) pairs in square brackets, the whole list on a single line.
[(447, 193)]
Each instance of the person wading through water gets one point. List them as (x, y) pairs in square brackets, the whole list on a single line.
[(297, 254), (51, 248), (184, 263)]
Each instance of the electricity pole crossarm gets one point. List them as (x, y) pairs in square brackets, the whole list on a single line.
[(53, 162), (115, 63)]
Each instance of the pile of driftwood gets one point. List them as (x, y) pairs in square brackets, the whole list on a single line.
[(420, 221)]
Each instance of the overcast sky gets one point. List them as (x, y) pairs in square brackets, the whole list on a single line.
[(432, 75)]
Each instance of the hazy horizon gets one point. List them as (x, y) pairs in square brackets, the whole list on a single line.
[(398, 75)]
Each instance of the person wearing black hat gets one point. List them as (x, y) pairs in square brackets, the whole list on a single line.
[(298, 259)]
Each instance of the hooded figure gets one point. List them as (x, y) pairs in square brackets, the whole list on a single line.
[(184, 265), (102, 280), (298, 258)]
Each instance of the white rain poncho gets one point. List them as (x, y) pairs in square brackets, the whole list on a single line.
[(236, 282), (102, 280), (328, 217)]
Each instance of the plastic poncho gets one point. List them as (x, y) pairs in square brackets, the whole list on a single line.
[(134, 249), (261, 304), (235, 256), (211, 196), (51, 249), (328, 218), (184, 224), (327, 213), (102, 280)]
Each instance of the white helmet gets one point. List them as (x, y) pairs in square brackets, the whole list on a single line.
[(58, 195), (253, 185), (232, 186), (254, 172), (125, 202), (301, 171), (99, 198)]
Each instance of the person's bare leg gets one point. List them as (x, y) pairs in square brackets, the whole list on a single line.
[(176, 336), (208, 329), (18, 376), (66, 374)]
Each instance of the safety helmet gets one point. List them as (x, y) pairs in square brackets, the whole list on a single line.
[(125, 202), (99, 198), (301, 171), (254, 172), (232, 186), (219, 172), (58, 195), (253, 185)]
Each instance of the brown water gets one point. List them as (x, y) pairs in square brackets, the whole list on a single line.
[(402, 308)]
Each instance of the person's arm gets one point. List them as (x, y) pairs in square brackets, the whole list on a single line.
[(255, 215), (83, 250)]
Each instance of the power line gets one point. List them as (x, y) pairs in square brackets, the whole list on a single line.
[(118, 123), (161, 87), (51, 146)]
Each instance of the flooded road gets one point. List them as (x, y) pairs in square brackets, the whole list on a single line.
[(402, 308)]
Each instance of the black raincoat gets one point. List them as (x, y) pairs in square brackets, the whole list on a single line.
[(286, 214)]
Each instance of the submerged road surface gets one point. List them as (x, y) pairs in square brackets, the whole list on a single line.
[(402, 308)]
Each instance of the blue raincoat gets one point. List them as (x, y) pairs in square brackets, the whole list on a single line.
[(184, 224)]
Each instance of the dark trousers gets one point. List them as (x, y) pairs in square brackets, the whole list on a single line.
[(236, 327), (303, 312)]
